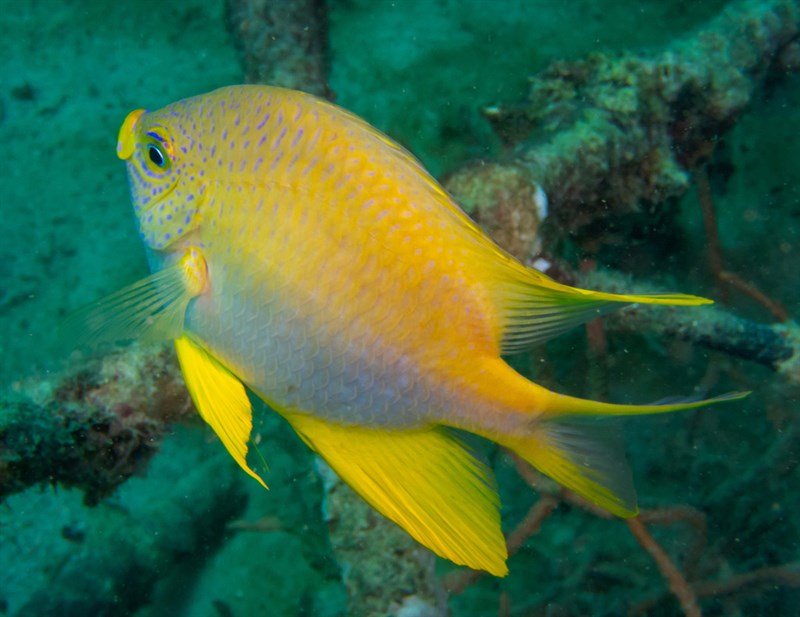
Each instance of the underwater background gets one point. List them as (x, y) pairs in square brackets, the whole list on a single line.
[(117, 500)]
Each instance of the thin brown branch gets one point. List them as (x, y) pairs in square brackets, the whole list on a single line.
[(504, 610), (710, 223), (677, 583), (779, 312), (787, 575), (726, 278), (683, 514), (532, 523)]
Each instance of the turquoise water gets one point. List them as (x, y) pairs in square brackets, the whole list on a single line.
[(421, 71)]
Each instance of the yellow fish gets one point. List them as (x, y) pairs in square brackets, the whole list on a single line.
[(301, 254)]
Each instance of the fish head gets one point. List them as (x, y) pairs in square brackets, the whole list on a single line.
[(166, 189)]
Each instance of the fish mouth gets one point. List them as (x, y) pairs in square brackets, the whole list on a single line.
[(126, 143)]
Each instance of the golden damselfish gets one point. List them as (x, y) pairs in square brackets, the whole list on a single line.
[(298, 252)]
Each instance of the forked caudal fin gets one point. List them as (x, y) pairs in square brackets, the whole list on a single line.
[(580, 457), (534, 308)]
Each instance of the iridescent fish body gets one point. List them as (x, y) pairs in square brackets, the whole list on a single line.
[(301, 253)]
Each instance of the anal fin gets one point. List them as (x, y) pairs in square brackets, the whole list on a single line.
[(425, 480), (220, 398)]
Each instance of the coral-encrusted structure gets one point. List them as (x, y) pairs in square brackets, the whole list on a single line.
[(611, 137), (282, 43), (385, 571), (94, 426)]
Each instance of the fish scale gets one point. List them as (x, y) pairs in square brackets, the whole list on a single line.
[(299, 252)]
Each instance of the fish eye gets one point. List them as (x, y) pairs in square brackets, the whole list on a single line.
[(157, 151), (156, 156)]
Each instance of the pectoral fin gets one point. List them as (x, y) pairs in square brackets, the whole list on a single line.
[(220, 398), (426, 481), (151, 309)]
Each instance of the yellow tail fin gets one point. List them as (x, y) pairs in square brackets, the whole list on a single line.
[(534, 308), (564, 445)]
